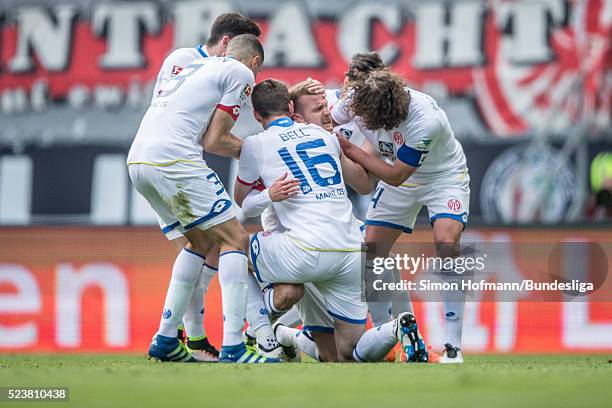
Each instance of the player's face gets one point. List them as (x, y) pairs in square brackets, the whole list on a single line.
[(313, 109)]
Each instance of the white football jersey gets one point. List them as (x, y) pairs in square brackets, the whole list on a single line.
[(320, 215), (173, 126), (424, 139), (174, 63)]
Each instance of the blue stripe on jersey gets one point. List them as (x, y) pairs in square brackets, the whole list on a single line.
[(282, 122), (410, 156), (201, 51)]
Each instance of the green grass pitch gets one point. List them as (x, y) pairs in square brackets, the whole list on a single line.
[(483, 381)]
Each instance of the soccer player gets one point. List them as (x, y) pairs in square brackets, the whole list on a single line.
[(308, 250), (422, 164), (193, 112), (225, 27)]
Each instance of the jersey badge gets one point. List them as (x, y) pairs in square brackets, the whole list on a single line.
[(398, 138)]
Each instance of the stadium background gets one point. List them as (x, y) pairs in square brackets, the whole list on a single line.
[(526, 85)]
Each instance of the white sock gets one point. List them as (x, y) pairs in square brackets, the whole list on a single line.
[(291, 318), (453, 303), (185, 273), (257, 316), (380, 312), (400, 300), (268, 296), (233, 275), (194, 315), (376, 343), (288, 336)]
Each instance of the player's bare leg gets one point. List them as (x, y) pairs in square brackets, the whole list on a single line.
[(346, 336), (447, 234)]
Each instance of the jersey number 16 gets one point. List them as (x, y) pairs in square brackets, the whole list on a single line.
[(310, 162)]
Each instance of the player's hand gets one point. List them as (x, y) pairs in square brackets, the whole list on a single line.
[(346, 146), (314, 87), (283, 188)]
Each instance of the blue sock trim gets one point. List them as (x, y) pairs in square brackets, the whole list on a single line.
[(211, 267), (389, 225), (194, 253), (232, 252), (318, 329), (347, 319), (359, 358)]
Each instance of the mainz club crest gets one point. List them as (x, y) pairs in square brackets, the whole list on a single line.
[(398, 138), (454, 204)]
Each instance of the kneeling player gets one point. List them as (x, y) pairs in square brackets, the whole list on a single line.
[(322, 241)]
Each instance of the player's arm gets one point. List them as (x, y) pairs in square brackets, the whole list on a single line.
[(257, 201), (355, 175), (217, 138), (237, 83), (394, 174)]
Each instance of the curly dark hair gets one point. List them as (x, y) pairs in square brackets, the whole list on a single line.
[(381, 100), (363, 63), (232, 24)]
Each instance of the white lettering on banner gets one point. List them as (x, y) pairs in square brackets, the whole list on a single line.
[(47, 36), (71, 283), (580, 332), (193, 20), (530, 28), (456, 43), (25, 300), (121, 24), (355, 29), (289, 41)]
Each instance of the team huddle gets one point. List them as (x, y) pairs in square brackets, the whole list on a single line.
[(317, 146)]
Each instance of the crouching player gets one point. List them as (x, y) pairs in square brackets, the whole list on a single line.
[(422, 165), (322, 241)]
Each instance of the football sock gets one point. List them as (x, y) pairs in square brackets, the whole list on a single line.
[(257, 315), (268, 296), (291, 318), (453, 302), (376, 343), (233, 275), (194, 315), (298, 339), (185, 273)]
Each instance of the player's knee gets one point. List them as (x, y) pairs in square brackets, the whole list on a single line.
[(345, 354), (328, 356), (286, 296)]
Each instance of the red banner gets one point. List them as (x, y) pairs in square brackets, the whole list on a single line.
[(102, 290), (525, 65)]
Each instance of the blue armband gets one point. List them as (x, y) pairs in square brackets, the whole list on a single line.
[(410, 156)]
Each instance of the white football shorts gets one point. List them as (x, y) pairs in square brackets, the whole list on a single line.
[(183, 196)]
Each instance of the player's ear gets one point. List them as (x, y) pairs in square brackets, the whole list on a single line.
[(290, 108), (224, 41), (298, 118), (256, 63), (258, 117)]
